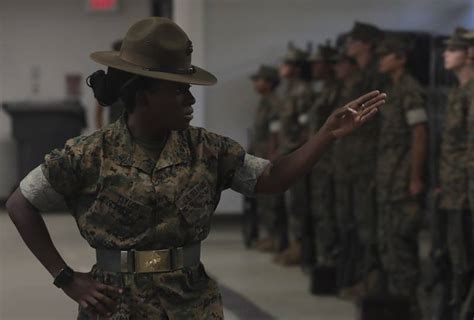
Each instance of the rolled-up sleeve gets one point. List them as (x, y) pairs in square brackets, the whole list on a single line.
[(246, 176), (39, 193)]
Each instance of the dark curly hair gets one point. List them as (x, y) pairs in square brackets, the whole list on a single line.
[(117, 85)]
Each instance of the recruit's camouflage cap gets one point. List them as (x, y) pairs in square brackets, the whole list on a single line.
[(365, 32), (325, 52), (394, 43), (295, 55), (458, 39), (266, 72)]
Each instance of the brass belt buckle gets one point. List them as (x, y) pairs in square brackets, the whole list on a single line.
[(152, 261)]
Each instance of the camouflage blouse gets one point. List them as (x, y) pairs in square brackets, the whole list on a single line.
[(121, 198), (454, 151)]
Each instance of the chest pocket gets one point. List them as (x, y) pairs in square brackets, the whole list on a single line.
[(120, 215), (195, 203)]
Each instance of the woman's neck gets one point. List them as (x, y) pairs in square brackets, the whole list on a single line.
[(141, 128)]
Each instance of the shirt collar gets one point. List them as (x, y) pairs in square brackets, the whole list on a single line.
[(127, 152)]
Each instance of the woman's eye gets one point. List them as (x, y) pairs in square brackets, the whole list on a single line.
[(182, 90)]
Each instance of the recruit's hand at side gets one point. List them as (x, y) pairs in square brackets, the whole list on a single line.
[(346, 119)]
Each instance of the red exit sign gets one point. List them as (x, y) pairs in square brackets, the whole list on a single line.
[(102, 5)]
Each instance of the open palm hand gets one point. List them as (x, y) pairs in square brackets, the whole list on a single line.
[(346, 119)]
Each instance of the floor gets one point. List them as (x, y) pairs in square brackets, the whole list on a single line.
[(252, 286)]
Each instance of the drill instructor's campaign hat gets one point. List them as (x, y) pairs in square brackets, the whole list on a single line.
[(158, 48)]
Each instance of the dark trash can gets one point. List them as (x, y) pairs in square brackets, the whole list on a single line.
[(39, 127)]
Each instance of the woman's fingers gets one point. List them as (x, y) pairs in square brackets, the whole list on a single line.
[(103, 287), (97, 305), (109, 304), (357, 103), (368, 116), (376, 105), (374, 100)]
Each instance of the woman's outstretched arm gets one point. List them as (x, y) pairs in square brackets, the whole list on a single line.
[(281, 174)]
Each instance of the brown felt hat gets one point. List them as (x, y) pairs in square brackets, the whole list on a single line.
[(157, 48)]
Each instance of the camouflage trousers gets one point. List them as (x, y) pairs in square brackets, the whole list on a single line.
[(398, 228), (298, 207), (467, 308), (355, 210), (346, 228), (460, 249), (324, 218), (357, 198), (267, 207), (184, 294)]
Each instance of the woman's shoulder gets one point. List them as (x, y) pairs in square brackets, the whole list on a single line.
[(201, 137), (85, 144)]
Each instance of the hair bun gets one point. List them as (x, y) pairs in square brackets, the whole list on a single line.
[(103, 88)]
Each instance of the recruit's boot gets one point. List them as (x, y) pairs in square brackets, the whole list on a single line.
[(267, 244), (353, 293), (291, 256), (371, 284)]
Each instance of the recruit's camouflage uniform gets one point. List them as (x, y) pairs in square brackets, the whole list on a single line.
[(346, 222), (267, 113), (122, 199), (362, 159), (296, 103), (468, 304), (399, 214), (454, 185), (322, 195)]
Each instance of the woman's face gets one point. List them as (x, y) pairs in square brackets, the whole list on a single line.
[(169, 105), (454, 58)]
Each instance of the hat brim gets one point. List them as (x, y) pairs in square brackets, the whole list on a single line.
[(112, 59)]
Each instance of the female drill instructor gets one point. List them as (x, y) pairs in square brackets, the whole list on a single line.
[(143, 189)]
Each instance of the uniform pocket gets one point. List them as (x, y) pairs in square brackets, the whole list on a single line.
[(195, 204), (120, 215)]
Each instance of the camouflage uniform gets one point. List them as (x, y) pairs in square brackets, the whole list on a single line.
[(294, 123), (399, 214), (267, 112), (346, 223), (322, 195), (454, 184), (121, 199), (363, 148), (468, 305)]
